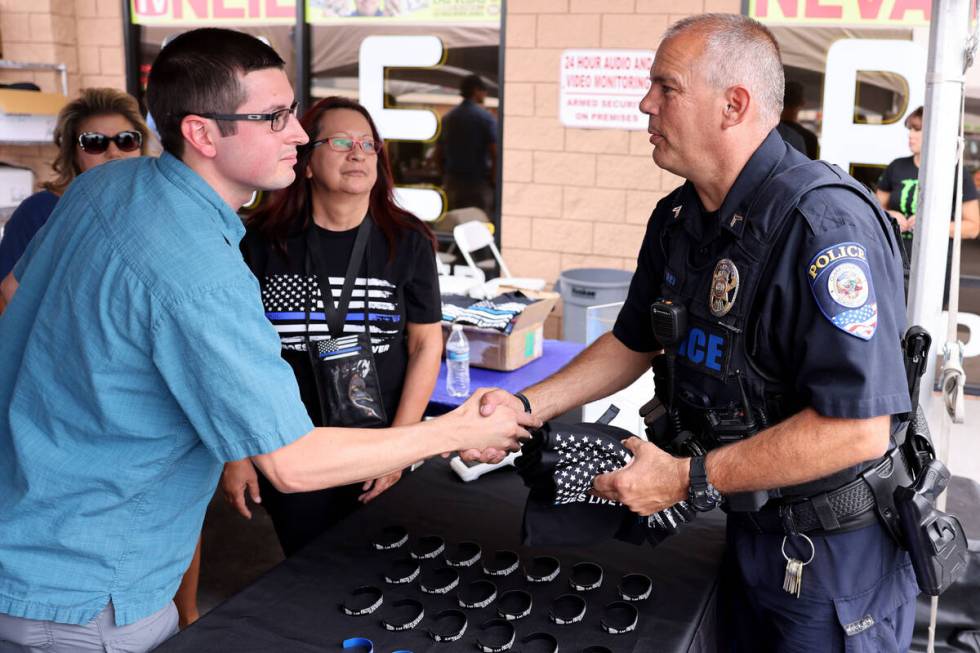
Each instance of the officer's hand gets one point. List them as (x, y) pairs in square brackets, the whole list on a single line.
[(652, 481), (910, 224), (237, 480)]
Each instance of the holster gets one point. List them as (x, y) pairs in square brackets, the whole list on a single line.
[(935, 540)]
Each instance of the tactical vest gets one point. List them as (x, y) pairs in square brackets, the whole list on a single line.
[(721, 391)]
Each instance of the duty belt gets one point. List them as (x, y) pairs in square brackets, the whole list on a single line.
[(848, 507)]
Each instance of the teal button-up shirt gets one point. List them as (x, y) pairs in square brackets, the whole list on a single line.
[(135, 359)]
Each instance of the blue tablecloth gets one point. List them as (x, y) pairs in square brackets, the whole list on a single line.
[(555, 355)]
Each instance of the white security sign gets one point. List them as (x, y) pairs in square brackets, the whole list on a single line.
[(602, 89)]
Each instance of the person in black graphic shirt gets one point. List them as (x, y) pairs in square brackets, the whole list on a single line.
[(898, 189), (343, 177)]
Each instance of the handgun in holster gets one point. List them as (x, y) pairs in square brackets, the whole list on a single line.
[(934, 539)]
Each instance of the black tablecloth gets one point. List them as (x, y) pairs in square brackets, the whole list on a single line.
[(295, 607)]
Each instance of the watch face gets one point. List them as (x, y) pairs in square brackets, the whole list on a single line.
[(704, 499)]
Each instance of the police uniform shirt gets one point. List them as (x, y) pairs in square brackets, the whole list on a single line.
[(849, 366)]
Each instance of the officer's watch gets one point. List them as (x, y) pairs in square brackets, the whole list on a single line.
[(701, 494)]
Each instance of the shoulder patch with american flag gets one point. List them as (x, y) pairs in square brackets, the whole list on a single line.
[(840, 279)]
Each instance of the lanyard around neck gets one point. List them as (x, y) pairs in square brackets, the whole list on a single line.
[(335, 314)]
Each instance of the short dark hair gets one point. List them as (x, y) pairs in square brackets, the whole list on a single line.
[(470, 85), (199, 72), (918, 113)]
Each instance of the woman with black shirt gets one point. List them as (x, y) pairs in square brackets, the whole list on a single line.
[(898, 189), (300, 248)]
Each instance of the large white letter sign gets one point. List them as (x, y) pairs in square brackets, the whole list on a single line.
[(380, 52), (377, 53), (843, 141)]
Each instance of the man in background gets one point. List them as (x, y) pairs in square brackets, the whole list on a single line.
[(467, 149)]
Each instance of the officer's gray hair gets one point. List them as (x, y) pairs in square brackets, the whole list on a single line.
[(739, 50)]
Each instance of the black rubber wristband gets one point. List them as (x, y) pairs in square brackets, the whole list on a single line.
[(514, 604), (439, 581), (567, 609), (411, 622), (478, 594), (619, 617), (542, 569), (440, 633), (503, 563), (635, 587), (524, 400), (403, 571), (586, 576), (390, 537), (502, 633), (371, 597), (428, 547), (466, 554), (542, 637)]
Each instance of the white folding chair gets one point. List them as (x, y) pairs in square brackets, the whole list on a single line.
[(473, 236)]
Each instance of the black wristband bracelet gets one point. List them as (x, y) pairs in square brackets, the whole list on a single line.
[(514, 604), (403, 571), (542, 637), (448, 626), (398, 610), (619, 617), (524, 400), (363, 600), (586, 576), (439, 581), (478, 594), (542, 569), (567, 609), (635, 587), (498, 635)]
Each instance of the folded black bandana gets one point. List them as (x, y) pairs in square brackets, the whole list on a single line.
[(559, 464)]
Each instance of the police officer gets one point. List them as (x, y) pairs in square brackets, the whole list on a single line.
[(783, 287)]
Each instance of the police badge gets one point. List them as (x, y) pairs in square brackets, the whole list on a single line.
[(724, 288)]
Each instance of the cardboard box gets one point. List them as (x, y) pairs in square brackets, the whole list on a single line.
[(496, 351)]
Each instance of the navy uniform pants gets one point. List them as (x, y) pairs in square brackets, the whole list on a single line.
[(858, 593)]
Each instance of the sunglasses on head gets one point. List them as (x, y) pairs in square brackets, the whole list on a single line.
[(97, 143)]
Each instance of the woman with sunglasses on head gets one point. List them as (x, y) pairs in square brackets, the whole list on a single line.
[(102, 124), (368, 355)]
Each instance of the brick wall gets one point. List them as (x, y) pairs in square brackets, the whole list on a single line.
[(576, 197), (85, 35)]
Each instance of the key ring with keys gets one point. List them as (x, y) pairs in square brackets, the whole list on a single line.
[(793, 580), (813, 550)]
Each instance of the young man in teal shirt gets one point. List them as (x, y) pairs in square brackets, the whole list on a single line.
[(137, 360)]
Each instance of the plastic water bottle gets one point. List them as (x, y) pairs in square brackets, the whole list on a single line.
[(457, 363)]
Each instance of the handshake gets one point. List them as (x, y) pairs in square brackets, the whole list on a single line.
[(651, 482), (493, 424)]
